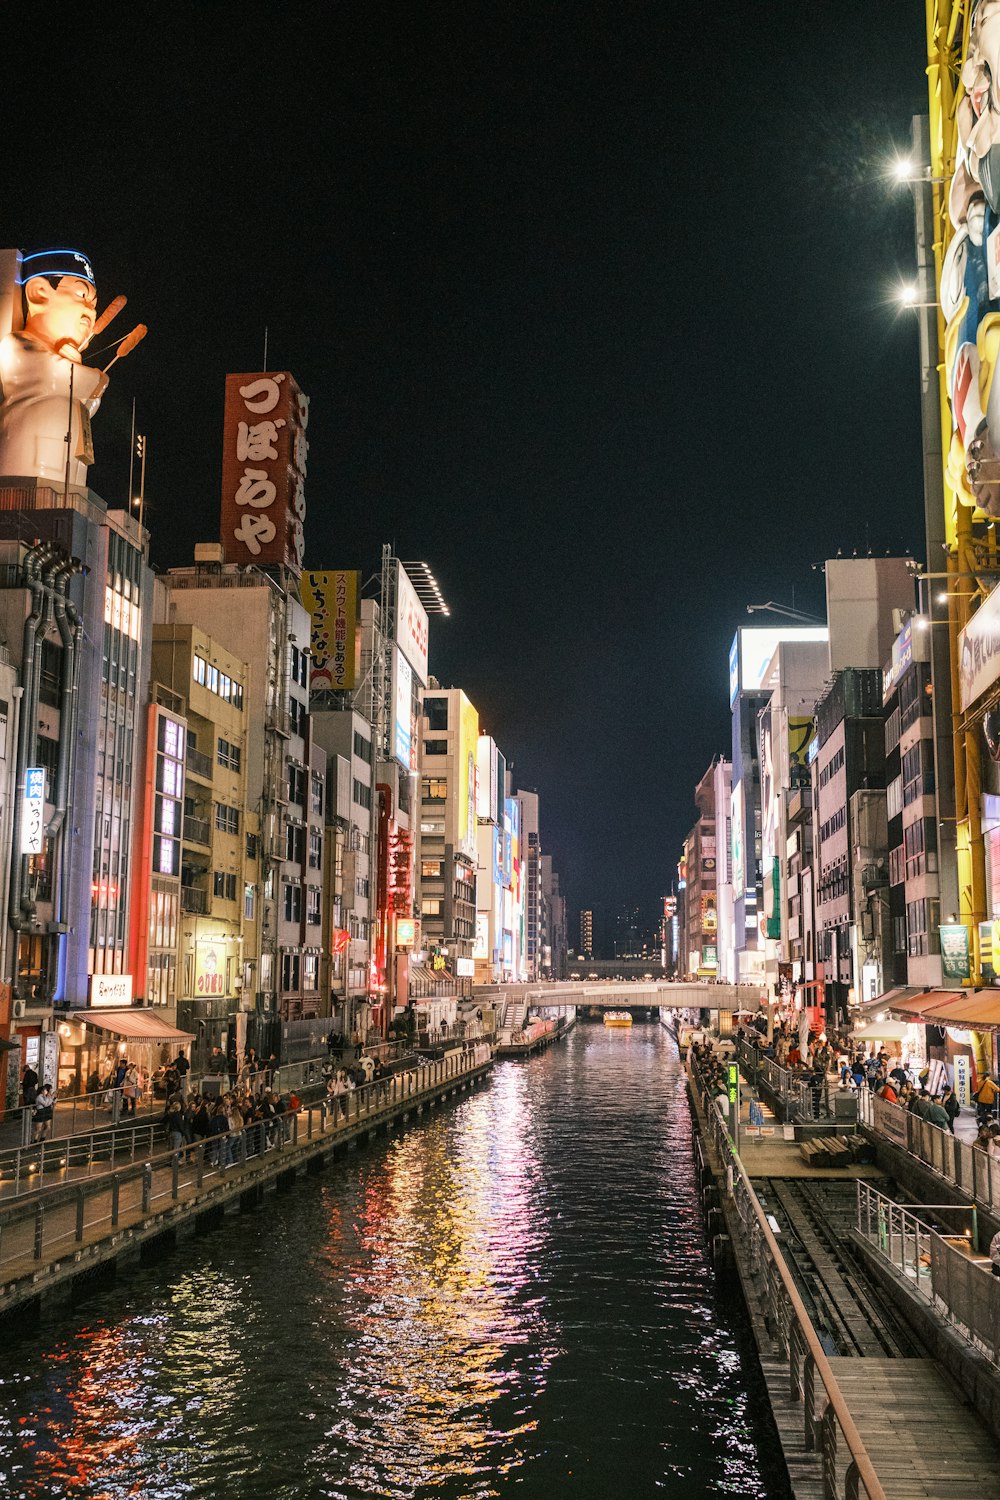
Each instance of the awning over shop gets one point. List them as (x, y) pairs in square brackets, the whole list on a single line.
[(880, 1031), (926, 1002), (136, 1025), (891, 999), (968, 1010)]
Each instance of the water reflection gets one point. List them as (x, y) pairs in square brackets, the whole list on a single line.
[(510, 1298)]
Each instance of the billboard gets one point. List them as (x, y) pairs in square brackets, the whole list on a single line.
[(979, 651), (736, 835), (332, 601), (411, 625), (487, 790), (752, 649), (210, 968), (468, 742), (402, 710), (800, 733), (112, 990), (264, 451)]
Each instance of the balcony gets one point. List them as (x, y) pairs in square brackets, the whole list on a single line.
[(198, 764), (800, 803), (197, 830), (874, 876), (194, 900)]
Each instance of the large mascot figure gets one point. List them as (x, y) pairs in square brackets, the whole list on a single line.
[(47, 394)]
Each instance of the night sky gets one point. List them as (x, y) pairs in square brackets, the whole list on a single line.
[(591, 302)]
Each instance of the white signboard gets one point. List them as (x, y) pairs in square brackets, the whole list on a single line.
[(979, 651), (402, 709), (963, 1079), (465, 968), (33, 811), (113, 990), (411, 625)]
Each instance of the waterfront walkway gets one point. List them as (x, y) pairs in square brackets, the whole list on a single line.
[(895, 1428), (49, 1236)]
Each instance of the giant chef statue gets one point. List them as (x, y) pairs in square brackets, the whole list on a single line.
[(47, 395)]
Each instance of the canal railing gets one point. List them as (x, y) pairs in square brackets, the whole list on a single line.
[(800, 1098), (55, 1221), (958, 1286), (827, 1422), (973, 1172)]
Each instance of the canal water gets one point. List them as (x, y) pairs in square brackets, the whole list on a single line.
[(512, 1297)]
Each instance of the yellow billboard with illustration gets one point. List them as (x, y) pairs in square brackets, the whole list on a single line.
[(331, 597)]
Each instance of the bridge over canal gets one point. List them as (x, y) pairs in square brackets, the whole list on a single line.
[(612, 994)]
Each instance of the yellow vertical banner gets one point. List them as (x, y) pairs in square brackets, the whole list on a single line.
[(331, 597)]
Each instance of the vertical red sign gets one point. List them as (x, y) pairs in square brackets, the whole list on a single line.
[(264, 470)]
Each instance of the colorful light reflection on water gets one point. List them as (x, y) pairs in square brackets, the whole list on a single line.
[(511, 1298)]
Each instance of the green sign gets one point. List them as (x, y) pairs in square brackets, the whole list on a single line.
[(954, 951), (734, 1082)]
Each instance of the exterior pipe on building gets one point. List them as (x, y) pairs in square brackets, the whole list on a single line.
[(33, 561)]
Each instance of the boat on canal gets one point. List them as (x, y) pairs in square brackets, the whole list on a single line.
[(617, 1018)]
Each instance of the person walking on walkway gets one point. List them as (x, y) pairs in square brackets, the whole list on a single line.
[(130, 1089), (995, 1253), (42, 1116), (951, 1107), (182, 1068)]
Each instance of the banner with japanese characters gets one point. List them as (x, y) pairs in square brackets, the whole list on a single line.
[(332, 601), (264, 470)]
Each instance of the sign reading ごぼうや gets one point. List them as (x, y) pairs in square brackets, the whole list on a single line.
[(264, 470)]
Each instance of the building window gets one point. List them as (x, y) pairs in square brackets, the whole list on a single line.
[(431, 907), (435, 747), (249, 902), (315, 849), (436, 713), (317, 795), (227, 819), (293, 902), (434, 789), (295, 843), (200, 669), (431, 869), (297, 785), (313, 905), (223, 885), (297, 715), (310, 971), (289, 971), (229, 755), (362, 794), (362, 748)]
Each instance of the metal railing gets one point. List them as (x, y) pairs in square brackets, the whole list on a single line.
[(975, 1173), (199, 763), (197, 830), (82, 1113), (826, 1419), (47, 1223), (797, 1094), (953, 1281)]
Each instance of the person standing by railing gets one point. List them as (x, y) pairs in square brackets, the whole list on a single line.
[(42, 1115), (995, 1254)]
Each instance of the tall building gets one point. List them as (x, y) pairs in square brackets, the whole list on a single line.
[(850, 759), (553, 961), (532, 876), (201, 832), (587, 933), (257, 615), (493, 874), (447, 846), (701, 919), (74, 612)]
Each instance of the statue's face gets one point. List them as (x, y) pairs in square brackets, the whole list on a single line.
[(62, 315)]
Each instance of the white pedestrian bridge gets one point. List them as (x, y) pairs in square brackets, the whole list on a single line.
[(623, 994)]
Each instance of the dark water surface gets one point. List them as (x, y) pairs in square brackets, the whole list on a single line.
[(511, 1298)]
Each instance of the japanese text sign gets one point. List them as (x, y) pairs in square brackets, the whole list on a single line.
[(332, 601), (33, 811), (264, 470)]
